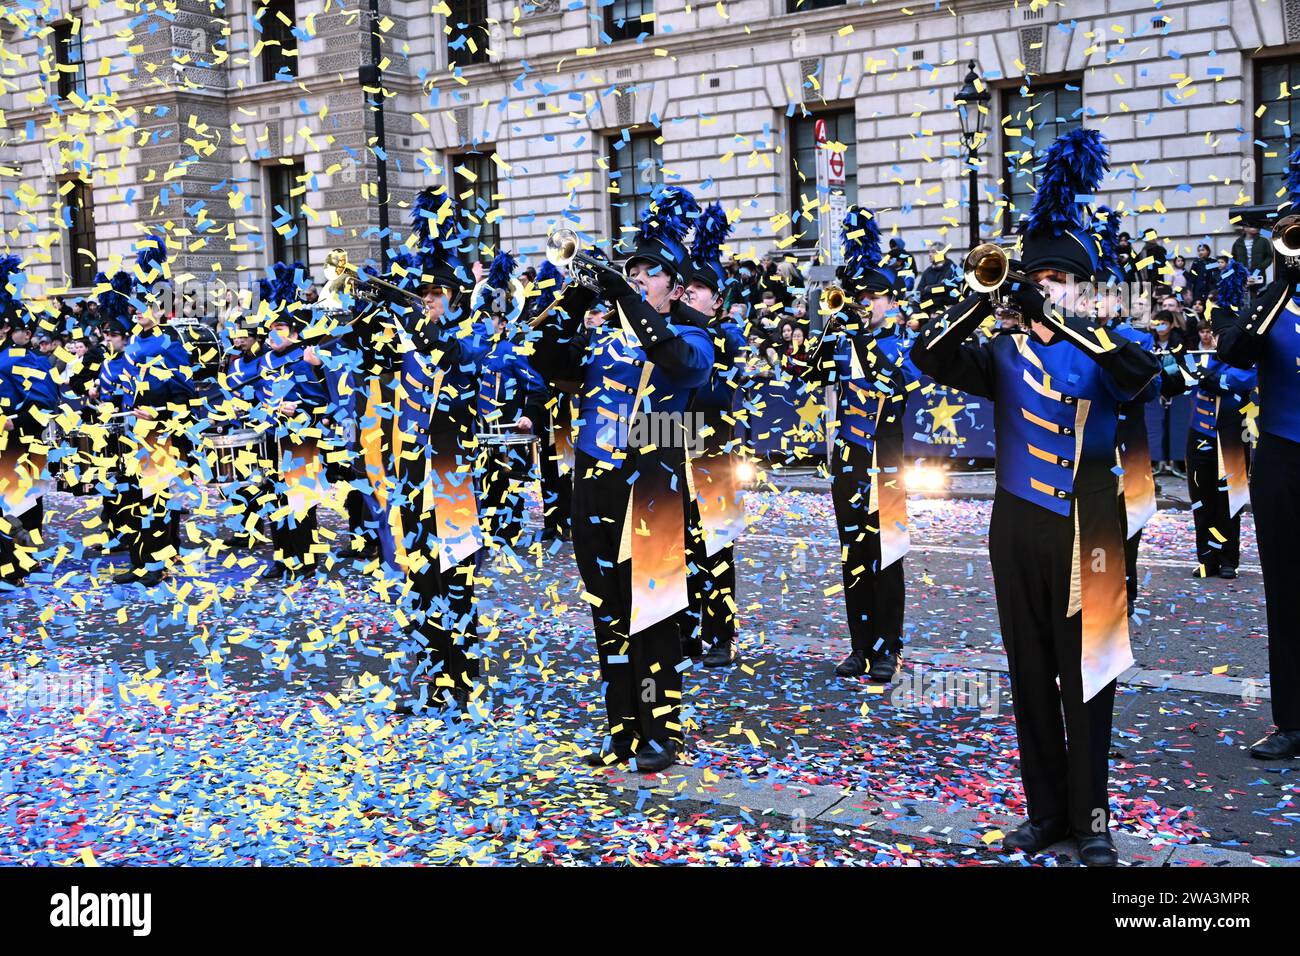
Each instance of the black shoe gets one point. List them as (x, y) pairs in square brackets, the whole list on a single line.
[(621, 753), (1097, 849), (1032, 837), (1279, 745), (1209, 572), (692, 647), (1228, 574), (884, 668), (650, 760), (721, 654), (151, 579), (855, 665)]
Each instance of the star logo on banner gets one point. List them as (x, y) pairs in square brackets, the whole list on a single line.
[(810, 410), (944, 414)]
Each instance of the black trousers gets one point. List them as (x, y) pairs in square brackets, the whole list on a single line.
[(293, 538), (557, 489), (874, 596), (506, 468), (1064, 742), (442, 610), (1273, 484), (712, 583), (148, 524), (1210, 506), (12, 565), (642, 684), (1131, 546)]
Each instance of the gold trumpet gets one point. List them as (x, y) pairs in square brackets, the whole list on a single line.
[(366, 287), (564, 251), (987, 268), (839, 306), (1286, 238)]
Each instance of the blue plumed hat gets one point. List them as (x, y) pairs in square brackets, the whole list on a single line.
[(661, 238), (150, 264), (1106, 230), (114, 300), (433, 220), (280, 291), (12, 279), (1058, 233), (549, 282), (862, 270), (711, 231)]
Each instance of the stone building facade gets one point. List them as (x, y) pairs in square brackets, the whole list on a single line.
[(179, 126)]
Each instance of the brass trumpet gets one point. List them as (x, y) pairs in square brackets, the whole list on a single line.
[(367, 288), (987, 268), (1286, 240), (564, 251)]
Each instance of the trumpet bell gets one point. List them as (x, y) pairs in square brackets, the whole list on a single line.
[(986, 267), (1286, 236), (562, 247)]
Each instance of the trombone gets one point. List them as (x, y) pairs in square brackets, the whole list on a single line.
[(1286, 240), (564, 251), (367, 288)]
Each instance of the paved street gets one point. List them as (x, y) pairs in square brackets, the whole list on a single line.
[(232, 722)]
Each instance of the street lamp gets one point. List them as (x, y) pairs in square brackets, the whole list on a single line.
[(972, 109)]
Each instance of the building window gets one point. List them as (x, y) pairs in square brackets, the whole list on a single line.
[(1031, 119), (840, 128), (279, 45), (623, 19), (800, 6), (467, 32), (474, 194), (67, 57), (1278, 113), (285, 185), (635, 161), (79, 231)]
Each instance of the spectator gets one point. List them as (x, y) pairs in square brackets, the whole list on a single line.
[(1255, 253), (1202, 273), (939, 284), (1169, 331)]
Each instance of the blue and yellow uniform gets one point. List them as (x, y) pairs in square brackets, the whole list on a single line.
[(29, 397)]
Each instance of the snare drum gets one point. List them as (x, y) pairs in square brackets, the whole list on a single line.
[(236, 455), (524, 462), (86, 456)]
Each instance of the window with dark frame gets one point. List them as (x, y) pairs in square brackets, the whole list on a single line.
[(467, 32), (1032, 117), (68, 59), (79, 223), (802, 6), (623, 19), (474, 194), (635, 163), (279, 52), (285, 188), (841, 127), (1279, 115)]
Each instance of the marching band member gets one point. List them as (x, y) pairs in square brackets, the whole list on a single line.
[(1218, 450), (240, 389), (296, 400), (29, 396), (629, 538), (511, 396), (1268, 339), (555, 427), (1056, 539), (433, 458), (155, 385), (864, 357), (717, 509)]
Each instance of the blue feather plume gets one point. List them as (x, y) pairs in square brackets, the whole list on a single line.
[(1230, 288), (424, 215), (861, 240), (1293, 178), (711, 231), (11, 271), (150, 259), (671, 213), (501, 271), (1106, 228), (114, 301), (1071, 171), (546, 294)]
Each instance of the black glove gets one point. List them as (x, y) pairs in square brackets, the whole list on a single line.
[(612, 285), (1030, 301)]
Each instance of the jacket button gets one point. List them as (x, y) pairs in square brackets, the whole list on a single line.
[(1065, 463), (1060, 494)]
